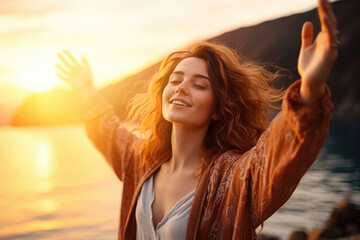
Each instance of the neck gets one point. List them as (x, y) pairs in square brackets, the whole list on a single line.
[(187, 148)]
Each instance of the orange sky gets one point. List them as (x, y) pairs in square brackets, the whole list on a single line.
[(117, 36)]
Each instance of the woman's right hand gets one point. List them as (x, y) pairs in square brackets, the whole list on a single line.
[(77, 75)]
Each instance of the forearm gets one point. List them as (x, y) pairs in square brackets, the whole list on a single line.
[(87, 93), (105, 131)]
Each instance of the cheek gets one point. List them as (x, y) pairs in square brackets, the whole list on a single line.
[(207, 103), (164, 99), (165, 95)]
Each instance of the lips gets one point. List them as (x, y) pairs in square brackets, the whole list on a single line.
[(180, 102)]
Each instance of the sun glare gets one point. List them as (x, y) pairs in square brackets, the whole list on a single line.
[(38, 79), (44, 159)]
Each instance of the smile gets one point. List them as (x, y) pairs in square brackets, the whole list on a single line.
[(180, 103)]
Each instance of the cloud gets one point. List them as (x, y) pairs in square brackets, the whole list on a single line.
[(27, 8)]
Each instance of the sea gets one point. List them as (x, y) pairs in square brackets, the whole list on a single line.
[(55, 185)]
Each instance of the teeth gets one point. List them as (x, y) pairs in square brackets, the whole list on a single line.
[(177, 102)]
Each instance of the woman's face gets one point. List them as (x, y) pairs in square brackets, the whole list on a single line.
[(188, 98)]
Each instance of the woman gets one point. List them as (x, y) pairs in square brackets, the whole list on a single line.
[(205, 164)]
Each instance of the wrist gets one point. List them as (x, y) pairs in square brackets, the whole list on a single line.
[(86, 94), (311, 94)]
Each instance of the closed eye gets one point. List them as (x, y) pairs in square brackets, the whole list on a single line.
[(175, 81), (199, 86)]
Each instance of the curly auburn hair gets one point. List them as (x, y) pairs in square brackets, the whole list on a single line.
[(243, 92)]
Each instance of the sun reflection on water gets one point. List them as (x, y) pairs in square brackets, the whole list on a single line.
[(44, 166), (43, 153)]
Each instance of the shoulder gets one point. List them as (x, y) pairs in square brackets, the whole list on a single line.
[(234, 162), (223, 166), (228, 158)]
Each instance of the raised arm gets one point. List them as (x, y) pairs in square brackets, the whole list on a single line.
[(290, 145), (102, 125), (317, 56)]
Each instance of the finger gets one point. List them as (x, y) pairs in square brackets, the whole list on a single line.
[(64, 61), (330, 32), (307, 35), (72, 59), (331, 14), (327, 28), (62, 70), (325, 9), (85, 61), (322, 15), (62, 77)]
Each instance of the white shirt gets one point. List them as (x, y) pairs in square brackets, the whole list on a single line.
[(172, 226)]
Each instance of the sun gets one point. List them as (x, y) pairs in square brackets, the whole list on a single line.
[(38, 79)]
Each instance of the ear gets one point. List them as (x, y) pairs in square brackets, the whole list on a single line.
[(215, 116)]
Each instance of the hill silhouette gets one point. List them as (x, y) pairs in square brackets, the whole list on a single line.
[(50, 108), (276, 41)]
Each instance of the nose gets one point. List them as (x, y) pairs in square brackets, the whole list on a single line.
[(181, 88)]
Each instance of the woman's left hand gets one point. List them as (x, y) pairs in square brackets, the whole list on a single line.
[(317, 57)]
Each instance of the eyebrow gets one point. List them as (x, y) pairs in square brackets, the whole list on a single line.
[(198, 75)]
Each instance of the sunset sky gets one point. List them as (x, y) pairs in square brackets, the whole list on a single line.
[(118, 37)]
